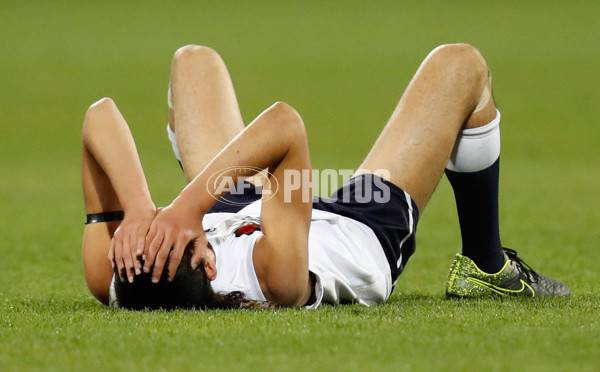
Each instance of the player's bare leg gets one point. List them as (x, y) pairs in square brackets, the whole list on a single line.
[(449, 96), (204, 113), (447, 110), (418, 139)]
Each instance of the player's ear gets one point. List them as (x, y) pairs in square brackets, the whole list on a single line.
[(210, 269)]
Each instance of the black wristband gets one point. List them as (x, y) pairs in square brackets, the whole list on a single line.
[(105, 217)]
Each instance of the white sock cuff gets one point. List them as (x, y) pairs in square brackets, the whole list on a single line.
[(476, 148), (173, 139), (170, 97)]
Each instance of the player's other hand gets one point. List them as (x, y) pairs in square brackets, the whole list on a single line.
[(127, 244), (171, 231)]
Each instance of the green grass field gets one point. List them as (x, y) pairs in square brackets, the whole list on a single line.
[(343, 65)]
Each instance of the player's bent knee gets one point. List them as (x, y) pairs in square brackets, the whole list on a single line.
[(456, 49), (462, 61), (195, 54), (465, 54)]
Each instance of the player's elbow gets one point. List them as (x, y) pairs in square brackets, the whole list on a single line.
[(94, 114), (287, 121), (285, 111), (99, 108), (101, 104), (291, 296)]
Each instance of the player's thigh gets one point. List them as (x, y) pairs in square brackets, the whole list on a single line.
[(97, 267), (418, 139), (413, 158), (204, 110)]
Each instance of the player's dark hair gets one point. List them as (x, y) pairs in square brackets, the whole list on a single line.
[(190, 289)]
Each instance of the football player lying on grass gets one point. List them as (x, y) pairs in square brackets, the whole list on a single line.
[(275, 245)]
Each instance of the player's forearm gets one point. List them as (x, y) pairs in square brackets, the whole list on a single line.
[(276, 133), (108, 139)]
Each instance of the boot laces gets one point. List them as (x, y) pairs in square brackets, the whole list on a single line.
[(521, 265)]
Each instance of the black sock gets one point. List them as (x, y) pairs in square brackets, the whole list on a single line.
[(476, 196)]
